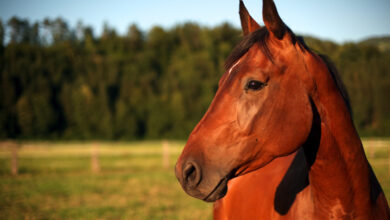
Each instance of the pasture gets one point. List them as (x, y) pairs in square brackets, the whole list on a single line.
[(55, 181)]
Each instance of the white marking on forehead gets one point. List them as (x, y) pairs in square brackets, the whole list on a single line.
[(231, 69)]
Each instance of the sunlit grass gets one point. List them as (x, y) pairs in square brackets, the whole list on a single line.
[(55, 182), (378, 153)]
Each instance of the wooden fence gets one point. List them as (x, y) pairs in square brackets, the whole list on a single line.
[(373, 148), (13, 147)]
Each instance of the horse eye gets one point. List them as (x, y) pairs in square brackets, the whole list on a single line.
[(255, 85)]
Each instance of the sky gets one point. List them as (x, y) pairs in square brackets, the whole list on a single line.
[(337, 20)]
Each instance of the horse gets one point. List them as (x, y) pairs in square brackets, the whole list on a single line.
[(278, 140)]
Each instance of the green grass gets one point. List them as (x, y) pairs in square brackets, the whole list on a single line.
[(55, 182), (378, 154)]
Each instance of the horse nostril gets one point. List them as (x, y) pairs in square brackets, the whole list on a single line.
[(191, 174)]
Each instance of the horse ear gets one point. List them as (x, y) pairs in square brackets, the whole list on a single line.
[(272, 20), (248, 24)]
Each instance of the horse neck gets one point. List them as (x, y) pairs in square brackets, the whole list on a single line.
[(339, 171)]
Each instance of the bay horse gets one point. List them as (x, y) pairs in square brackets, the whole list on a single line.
[(278, 140)]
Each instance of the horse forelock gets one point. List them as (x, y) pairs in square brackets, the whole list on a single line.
[(257, 37)]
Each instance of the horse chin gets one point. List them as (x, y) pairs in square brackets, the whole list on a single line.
[(218, 192)]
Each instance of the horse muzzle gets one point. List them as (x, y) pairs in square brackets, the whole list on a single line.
[(198, 183)]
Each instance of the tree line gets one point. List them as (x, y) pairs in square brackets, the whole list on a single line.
[(63, 82)]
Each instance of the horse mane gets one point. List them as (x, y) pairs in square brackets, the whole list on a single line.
[(259, 37), (337, 79)]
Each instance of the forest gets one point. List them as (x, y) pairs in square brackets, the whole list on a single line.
[(63, 82)]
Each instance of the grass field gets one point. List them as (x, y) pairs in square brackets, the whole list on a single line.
[(55, 182)]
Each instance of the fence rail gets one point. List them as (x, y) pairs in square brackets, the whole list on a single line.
[(14, 150), (377, 151)]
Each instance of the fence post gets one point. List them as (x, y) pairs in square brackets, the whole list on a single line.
[(388, 163), (372, 151), (13, 148), (165, 149), (14, 158), (95, 167)]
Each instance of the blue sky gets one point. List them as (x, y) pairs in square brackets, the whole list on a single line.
[(338, 20)]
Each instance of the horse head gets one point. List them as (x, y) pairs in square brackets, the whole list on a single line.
[(262, 109)]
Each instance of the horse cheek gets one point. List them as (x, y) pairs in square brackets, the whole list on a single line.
[(246, 111)]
